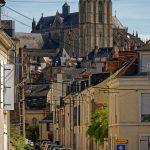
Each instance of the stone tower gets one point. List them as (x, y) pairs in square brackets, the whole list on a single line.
[(65, 9), (95, 17)]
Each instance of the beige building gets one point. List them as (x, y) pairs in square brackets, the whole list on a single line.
[(6, 47), (75, 116), (129, 103)]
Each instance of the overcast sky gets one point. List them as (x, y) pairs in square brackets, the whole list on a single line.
[(134, 14)]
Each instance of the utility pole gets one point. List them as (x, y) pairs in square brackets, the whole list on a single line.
[(2, 3), (21, 97)]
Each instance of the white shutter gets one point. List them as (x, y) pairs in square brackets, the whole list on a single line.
[(9, 87), (144, 143), (145, 103)]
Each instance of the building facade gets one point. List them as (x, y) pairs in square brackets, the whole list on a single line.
[(95, 19), (129, 101), (6, 47)]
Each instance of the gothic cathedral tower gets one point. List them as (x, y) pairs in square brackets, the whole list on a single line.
[(95, 17)]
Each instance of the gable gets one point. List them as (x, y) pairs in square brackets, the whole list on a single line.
[(57, 21)]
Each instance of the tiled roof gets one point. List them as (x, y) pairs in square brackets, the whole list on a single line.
[(30, 40), (144, 48), (36, 41), (38, 90)]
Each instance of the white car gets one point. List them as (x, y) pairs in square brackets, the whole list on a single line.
[(30, 143)]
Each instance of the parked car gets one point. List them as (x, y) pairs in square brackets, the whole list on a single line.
[(43, 143), (31, 143), (55, 146), (62, 149), (47, 146)]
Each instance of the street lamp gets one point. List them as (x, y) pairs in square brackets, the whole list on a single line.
[(2, 3)]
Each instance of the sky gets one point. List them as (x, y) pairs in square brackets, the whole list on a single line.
[(134, 14)]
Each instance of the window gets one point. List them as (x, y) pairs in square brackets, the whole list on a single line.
[(145, 63), (48, 126), (76, 115), (62, 123), (101, 11), (145, 107)]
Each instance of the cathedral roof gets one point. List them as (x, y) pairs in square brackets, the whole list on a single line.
[(116, 23), (45, 22), (70, 19)]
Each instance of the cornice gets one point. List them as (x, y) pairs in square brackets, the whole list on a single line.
[(5, 40)]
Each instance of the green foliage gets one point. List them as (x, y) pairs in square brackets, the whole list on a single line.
[(98, 127), (27, 147), (32, 128), (17, 140)]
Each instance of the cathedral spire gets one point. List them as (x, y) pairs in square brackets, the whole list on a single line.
[(137, 34), (115, 13), (133, 32), (33, 24)]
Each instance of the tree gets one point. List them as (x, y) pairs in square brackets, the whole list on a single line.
[(98, 127), (17, 140)]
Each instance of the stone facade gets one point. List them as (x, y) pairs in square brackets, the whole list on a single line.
[(95, 24), (80, 32)]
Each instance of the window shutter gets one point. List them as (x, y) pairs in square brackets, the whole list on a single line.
[(144, 143), (145, 104)]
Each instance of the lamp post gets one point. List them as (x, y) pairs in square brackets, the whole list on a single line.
[(2, 3)]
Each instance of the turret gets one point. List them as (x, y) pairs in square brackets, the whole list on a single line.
[(33, 25), (65, 9), (136, 34)]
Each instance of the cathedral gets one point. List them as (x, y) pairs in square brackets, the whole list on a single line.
[(80, 32)]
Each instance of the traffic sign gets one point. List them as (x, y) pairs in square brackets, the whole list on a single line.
[(120, 146), (121, 141)]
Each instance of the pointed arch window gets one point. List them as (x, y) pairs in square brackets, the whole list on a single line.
[(101, 12), (84, 11)]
